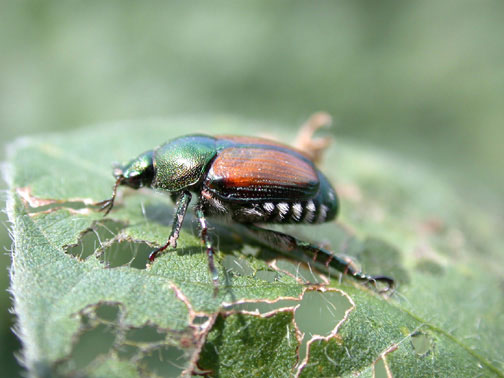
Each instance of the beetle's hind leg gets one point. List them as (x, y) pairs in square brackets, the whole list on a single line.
[(209, 247), (287, 243)]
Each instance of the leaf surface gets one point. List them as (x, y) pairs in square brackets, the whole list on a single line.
[(88, 303)]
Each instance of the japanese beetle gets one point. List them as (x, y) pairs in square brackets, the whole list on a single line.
[(244, 179)]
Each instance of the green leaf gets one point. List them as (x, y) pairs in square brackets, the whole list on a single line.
[(88, 303)]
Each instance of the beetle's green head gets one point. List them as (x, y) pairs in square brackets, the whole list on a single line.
[(138, 172), (181, 163)]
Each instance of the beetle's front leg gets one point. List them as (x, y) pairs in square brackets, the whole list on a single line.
[(287, 243), (178, 219), (208, 244)]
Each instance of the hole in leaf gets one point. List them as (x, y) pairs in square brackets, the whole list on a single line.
[(135, 255), (380, 371), (266, 275), (108, 312), (103, 336), (88, 320), (145, 334), (263, 307), (318, 314), (198, 320), (128, 352), (166, 361), (90, 345), (421, 343), (94, 239), (237, 266)]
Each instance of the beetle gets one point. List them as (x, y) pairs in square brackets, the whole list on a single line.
[(248, 180)]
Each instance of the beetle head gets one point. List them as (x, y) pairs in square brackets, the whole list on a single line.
[(137, 173)]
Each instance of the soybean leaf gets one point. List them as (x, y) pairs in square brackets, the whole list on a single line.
[(88, 303)]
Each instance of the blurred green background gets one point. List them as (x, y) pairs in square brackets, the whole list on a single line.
[(422, 79)]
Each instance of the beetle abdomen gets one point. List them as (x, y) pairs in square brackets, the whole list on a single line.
[(311, 211), (321, 208)]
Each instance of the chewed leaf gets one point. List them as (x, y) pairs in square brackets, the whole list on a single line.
[(89, 303)]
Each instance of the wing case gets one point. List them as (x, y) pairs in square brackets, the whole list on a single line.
[(262, 173)]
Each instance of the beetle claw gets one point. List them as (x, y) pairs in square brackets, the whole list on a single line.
[(154, 253), (103, 204), (106, 206)]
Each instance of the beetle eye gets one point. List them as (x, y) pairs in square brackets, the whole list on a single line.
[(133, 181)]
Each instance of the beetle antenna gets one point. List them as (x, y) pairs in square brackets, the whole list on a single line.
[(108, 204)]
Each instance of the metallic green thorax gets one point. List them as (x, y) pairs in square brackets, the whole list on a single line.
[(181, 162)]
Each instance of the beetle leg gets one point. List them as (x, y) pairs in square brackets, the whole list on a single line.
[(287, 243), (108, 204), (178, 219), (209, 248)]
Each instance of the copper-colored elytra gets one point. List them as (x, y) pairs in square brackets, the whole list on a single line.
[(240, 167), (254, 161), (267, 165), (257, 140)]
